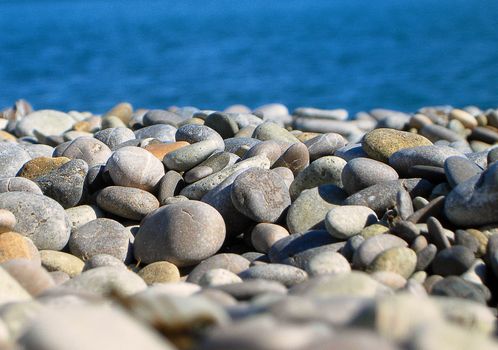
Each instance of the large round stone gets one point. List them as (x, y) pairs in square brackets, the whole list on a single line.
[(135, 167), (39, 218), (260, 195), (48, 122), (183, 233)]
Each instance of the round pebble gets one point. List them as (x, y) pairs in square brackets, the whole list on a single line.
[(160, 272), (348, 220), (127, 202)]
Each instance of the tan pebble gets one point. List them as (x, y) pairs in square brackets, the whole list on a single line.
[(159, 150), (15, 246), (41, 166), (160, 272)]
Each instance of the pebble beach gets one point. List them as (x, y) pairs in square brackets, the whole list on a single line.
[(248, 229)]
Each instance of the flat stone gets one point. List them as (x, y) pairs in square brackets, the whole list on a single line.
[(453, 261), (161, 132), (127, 202), (381, 143), (172, 233), (39, 218), (160, 272), (59, 261), (457, 287), (459, 169), (198, 189), (464, 117), (437, 132), (250, 288), (434, 155), (285, 274), (100, 236), (271, 131), (213, 164), (83, 214), (345, 221), (15, 184), (218, 277), (324, 145), (89, 149), (41, 166), (135, 167), (47, 122), (260, 195), (382, 196), (15, 246), (187, 157), (360, 173), (227, 261), (373, 246), (101, 260), (400, 260), (325, 170), (65, 184), (159, 150), (159, 116), (425, 257)]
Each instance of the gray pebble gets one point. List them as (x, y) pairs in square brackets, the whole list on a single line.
[(91, 150), (127, 202), (285, 274), (345, 221), (12, 159), (113, 137), (324, 145), (228, 261), (360, 173), (162, 132), (13, 184), (459, 169), (373, 246)]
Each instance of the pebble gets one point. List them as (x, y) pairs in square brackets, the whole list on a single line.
[(360, 173), (36, 215), (172, 233), (218, 277), (325, 170), (381, 143), (457, 287), (296, 158), (193, 133), (250, 288), (7, 221), (89, 149), (41, 166), (100, 260), (264, 235), (100, 236), (15, 246), (10, 290), (159, 116), (327, 263), (160, 272), (231, 262), (348, 220), (12, 160), (437, 132), (324, 145), (83, 214), (373, 246), (453, 261), (47, 122), (113, 137), (213, 164), (53, 260), (271, 131), (127, 202), (285, 274), (260, 195), (399, 260), (14, 184), (135, 167), (66, 183), (161, 132), (30, 275), (223, 124)]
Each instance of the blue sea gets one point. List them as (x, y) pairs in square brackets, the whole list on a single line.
[(354, 54)]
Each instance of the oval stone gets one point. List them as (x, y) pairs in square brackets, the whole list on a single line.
[(127, 202), (346, 221), (91, 150), (360, 173)]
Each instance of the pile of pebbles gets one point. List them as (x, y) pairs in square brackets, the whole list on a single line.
[(248, 229)]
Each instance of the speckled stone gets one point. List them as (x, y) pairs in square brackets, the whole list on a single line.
[(183, 233), (360, 173), (127, 202), (325, 170), (400, 260), (159, 116), (285, 274), (193, 133), (39, 218), (89, 149), (228, 261), (66, 183), (15, 246), (260, 195), (100, 236), (345, 221), (14, 184), (41, 166), (83, 214), (380, 144), (12, 160), (135, 167), (59, 261), (160, 272)]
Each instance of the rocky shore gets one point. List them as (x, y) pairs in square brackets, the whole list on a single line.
[(248, 229)]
